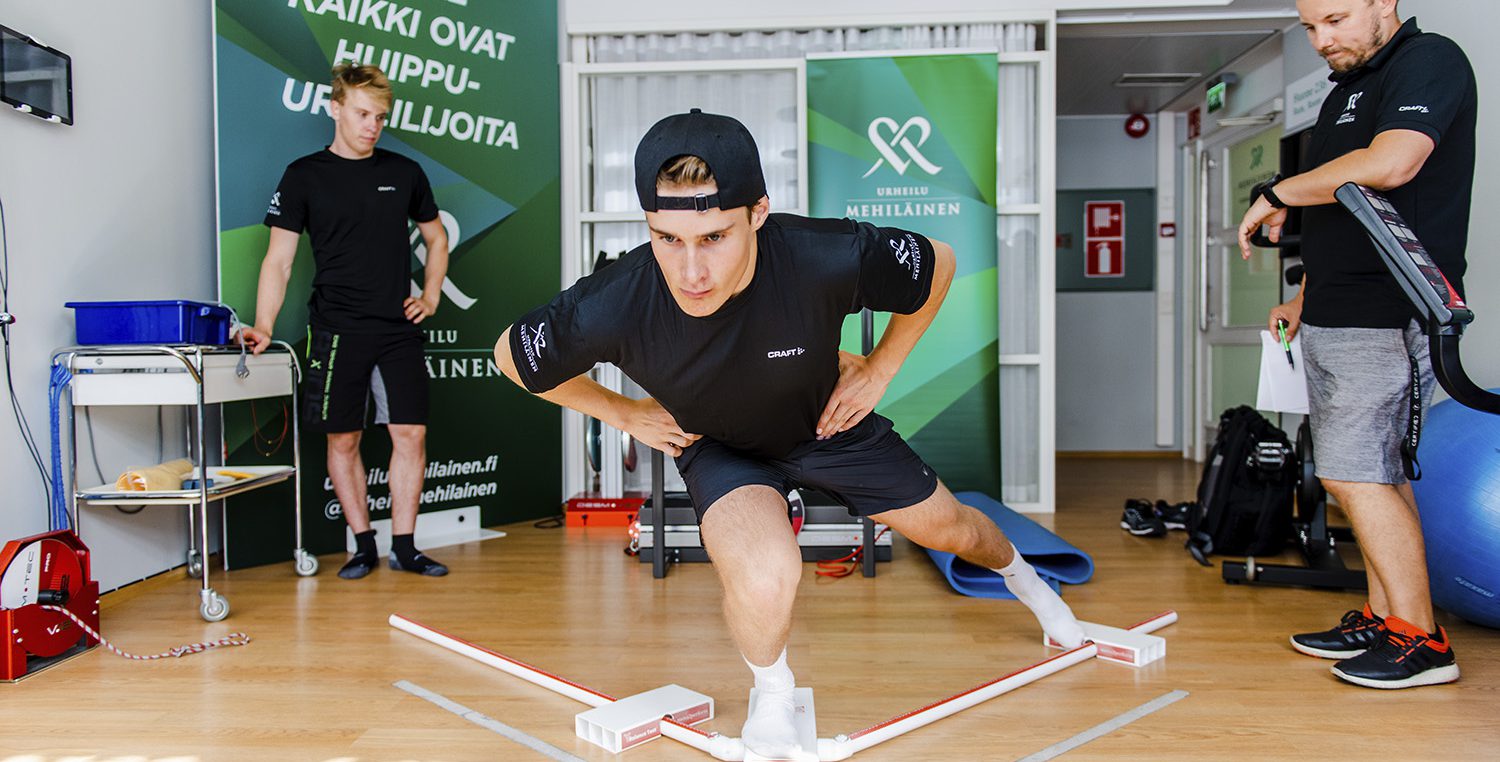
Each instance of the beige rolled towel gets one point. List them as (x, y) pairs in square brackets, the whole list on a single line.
[(164, 476)]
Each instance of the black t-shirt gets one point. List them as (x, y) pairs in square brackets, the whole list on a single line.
[(756, 374), (355, 211), (1418, 81)]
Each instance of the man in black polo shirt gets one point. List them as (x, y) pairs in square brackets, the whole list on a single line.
[(1400, 119), (730, 319), (354, 200)]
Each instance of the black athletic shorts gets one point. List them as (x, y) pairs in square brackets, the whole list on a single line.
[(345, 371), (868, 469)]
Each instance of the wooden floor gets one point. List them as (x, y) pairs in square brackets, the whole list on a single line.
[(316, 683)]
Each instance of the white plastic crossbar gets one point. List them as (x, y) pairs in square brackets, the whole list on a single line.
[(634, 720), (1124, 646), (828, 749)]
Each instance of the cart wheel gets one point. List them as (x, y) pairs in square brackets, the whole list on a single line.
[(195, 567), (307, 563), (215, 609)]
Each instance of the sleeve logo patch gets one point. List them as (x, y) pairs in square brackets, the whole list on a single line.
[(1418, 109), (908, 253), (275, 207), (534, 340)]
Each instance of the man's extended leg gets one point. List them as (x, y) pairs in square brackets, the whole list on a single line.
[(941, 522), (750, 541), (408, 464), (346, 469)]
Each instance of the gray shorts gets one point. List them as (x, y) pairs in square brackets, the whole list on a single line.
[(1359, 398)]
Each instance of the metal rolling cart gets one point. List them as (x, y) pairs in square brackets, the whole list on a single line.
[(195, 375)]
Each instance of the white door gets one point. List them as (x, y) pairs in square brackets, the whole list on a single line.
[(1232, 296)]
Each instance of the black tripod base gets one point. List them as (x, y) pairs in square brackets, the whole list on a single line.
[(1251, 571)]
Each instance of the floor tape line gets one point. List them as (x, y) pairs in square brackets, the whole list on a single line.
[(1106, 727), (537, 745)]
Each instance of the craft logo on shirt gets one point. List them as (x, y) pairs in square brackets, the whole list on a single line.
[(534, 340), (385, 188), (900, 138), (1348, 115), (1418, 109), (793, 352), (909, 254), (275, 207)]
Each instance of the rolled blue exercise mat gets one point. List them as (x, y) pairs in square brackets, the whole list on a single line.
[(1055, 559)]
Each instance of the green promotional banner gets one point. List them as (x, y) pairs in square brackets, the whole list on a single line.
[(909, 142), (476, 104)]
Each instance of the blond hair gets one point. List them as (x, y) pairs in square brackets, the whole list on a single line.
[(350, 76), (684, 171)]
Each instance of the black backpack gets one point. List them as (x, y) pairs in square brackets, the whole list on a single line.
[(1245, 495)]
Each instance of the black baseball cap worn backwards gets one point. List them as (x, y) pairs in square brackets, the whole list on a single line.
[(722, 142)]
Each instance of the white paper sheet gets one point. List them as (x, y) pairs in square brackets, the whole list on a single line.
[(1283, 387)]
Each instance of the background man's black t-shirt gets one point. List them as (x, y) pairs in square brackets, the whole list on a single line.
[(756, 374), (1418, 81), (355, 212)]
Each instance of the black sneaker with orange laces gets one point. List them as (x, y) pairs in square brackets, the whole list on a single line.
[(1407, 658), (1356, 633)]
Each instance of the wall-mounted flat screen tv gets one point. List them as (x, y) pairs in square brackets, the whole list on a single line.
[(35, 78)]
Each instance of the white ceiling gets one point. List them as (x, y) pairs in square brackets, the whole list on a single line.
[(1095, 47)]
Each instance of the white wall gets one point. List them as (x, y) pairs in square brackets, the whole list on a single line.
[(1105, 333), (118, 206), (1473, 25), (725, 14)]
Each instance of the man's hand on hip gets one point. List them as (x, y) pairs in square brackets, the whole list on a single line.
[(419, 308), (650, 423), (860, 387)]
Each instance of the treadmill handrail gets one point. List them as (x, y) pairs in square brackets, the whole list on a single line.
[(1443, 315)]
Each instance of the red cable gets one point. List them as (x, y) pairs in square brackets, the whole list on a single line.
[(272, 443), (835, 569)]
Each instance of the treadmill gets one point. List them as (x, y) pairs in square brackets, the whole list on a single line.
[(1443, 316)]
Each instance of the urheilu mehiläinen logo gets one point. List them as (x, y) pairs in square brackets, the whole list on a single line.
[(901, 137)]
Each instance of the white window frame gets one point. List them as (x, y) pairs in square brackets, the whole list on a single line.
[(577, 216)]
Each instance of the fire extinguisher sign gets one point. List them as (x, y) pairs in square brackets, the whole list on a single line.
[(1104, 239)]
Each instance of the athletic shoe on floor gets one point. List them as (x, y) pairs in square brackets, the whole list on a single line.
[(1174, 515), (419, 564), (1357, 632), (1140, 519), (359, 565), (1406, 658)]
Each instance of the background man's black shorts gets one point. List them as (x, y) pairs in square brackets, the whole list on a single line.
[(344, 371), (868, 469)]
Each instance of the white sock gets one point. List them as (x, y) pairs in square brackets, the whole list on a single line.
[(1056, 618), (770, 730)]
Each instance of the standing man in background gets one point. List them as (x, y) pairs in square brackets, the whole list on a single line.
[(1400, 119), (354, 200)]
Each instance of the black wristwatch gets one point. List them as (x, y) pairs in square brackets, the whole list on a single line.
[(1268, 192)]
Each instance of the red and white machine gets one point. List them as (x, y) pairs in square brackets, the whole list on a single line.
[(50, 569)]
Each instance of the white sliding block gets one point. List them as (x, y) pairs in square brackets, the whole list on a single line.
[(634, 720), (805, 720), (1123, 646)]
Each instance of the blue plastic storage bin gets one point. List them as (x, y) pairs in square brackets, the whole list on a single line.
[(160, 322)]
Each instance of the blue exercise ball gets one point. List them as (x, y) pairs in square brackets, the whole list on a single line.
[(1459, 499)]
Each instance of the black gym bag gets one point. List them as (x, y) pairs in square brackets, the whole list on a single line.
[(1245, 495)]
